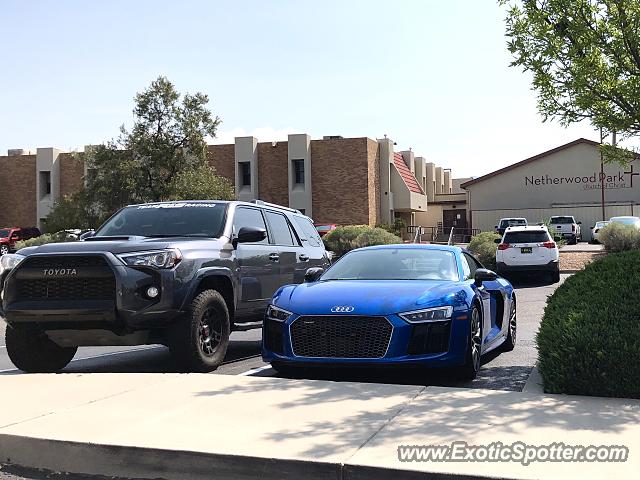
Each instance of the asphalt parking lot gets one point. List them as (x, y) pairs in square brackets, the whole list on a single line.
[(505, 371)]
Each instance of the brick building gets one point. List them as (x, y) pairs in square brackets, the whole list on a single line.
[(333, 180)]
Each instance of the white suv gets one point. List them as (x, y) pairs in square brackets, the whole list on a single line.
[(528, 249)]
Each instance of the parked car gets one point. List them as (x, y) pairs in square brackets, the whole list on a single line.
[(565, 226), (11, 235), (595, 230), (183, 274), (392, 305), (509, 222), (626, 220), (528, 249), (324, 228)]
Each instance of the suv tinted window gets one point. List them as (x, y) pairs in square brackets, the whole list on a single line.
[(248, 217), (526, 237), (282, 234), (309, 231)]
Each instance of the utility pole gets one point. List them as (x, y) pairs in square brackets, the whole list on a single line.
[(602, 177)]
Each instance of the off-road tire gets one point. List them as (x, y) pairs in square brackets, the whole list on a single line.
[(32, 351), (187, 338)]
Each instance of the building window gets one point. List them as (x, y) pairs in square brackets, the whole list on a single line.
[(298, 171), (245, 174), (45, 183)]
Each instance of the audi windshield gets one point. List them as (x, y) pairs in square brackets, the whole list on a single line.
[(395, 264), (195, 219)]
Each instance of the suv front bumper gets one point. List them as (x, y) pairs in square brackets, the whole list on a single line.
[(31, 296)]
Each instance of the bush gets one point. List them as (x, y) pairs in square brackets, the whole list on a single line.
[(396, 227), (45, 238), (375, 236), (484, 247), (589, 337), (617, 237), (346, 238)]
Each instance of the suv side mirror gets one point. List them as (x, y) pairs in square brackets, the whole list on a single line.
[(251, 235), (579, 223), (497, 240), (313, 274), (483, 275), (89, 234)]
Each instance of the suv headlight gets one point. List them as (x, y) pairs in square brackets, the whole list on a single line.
[(157, 259), (10, 261), (428, 315), (278, 314)]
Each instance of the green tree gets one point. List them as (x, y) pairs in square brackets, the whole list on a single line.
[(585, 59), (163, 156)]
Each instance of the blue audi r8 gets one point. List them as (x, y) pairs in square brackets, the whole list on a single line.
[(412, 304)]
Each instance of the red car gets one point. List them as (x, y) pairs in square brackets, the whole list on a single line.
[(9, 236), (324, 228)]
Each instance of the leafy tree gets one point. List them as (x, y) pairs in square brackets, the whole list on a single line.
[(585, 59), (162, 157)]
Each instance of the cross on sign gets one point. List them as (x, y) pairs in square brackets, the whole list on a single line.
[(631, 174)]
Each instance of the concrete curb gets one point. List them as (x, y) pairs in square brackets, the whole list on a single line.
[(138, 463), (534, 382)]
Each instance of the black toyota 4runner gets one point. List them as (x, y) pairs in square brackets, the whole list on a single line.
[(182, 274)]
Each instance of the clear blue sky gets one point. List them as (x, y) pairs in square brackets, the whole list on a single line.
[(431, 74)]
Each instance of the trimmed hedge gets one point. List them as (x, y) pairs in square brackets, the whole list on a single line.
[(484, 247), (589, 337), (346, 238), (617, 237)]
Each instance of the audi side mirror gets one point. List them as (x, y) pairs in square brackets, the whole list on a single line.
[(251, 235), (483, 275), (313, 274)]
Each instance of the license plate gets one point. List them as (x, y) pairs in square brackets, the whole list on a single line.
[(526, 250)]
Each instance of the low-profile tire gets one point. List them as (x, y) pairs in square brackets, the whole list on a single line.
[(510, 342), (4, 249), (469, 370), (199, 341), (32, 351)]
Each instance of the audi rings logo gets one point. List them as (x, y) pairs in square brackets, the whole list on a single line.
[(342, 309)]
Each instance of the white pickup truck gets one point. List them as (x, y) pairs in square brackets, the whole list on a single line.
[(565, 226)]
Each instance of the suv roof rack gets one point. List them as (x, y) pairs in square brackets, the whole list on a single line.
[(274, 205)]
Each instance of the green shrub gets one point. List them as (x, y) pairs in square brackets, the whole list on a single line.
[(589, 337), (483, 246), (617, 237), (396, 227), (346, 238), (375, 236), (45, 238)]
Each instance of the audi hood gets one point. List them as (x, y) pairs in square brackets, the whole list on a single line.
[(366, 297)]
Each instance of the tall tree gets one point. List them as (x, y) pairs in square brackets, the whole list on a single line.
[(163, 156), (584, 56)]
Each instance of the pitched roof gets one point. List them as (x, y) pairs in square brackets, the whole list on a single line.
[(529, 160), (408, 177)]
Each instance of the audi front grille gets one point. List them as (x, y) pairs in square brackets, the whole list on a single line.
[(340, 336), (83, 278)]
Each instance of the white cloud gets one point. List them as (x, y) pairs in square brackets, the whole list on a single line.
[(263, 134)]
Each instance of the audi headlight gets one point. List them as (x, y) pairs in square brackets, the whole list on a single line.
[(9, 261), (158, 259), (428, 315), (278, 314)]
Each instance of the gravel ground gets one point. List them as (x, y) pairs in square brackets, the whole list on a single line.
[(572, 261)]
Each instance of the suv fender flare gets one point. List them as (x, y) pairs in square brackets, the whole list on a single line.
[(210, 273)]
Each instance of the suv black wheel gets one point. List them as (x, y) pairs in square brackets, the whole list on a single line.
[(199, 342), (33, 352), (510, 342), (469, 370)]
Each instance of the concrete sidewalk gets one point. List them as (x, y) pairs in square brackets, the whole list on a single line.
[(193, 426)]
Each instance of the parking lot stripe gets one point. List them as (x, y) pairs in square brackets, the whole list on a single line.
[(254, 370)]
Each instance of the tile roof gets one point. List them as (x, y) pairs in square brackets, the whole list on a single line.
[(407, 176)]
